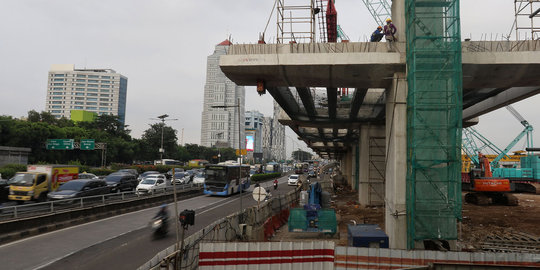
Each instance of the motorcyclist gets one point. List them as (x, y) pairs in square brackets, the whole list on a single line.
[(275, 183), (163, 214)]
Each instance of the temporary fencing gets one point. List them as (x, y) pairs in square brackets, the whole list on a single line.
[(256, 223)]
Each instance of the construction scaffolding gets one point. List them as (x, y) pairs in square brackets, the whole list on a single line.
[(526, 14), (434, 108), (295, 21)]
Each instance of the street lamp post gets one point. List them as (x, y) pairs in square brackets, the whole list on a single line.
[(162, 118), (239, 145)]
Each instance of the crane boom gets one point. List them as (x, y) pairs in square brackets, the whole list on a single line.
[(379, 9)]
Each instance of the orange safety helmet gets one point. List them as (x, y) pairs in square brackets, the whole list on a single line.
[(379, 27)]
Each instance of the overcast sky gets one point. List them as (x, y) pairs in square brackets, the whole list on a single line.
[(162, 45)]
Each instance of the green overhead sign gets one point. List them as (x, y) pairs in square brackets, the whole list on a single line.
[(60, 144), (88, 144)]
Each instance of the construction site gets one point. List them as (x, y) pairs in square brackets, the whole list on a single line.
[(411, 183)]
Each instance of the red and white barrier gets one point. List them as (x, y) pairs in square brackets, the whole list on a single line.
[(267, 255)]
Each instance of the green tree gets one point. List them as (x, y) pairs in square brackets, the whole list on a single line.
[(151, 142)]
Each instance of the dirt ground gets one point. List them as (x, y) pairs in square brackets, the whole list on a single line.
[(479, 222)]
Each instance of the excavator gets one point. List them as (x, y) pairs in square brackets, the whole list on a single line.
[(486, 189)]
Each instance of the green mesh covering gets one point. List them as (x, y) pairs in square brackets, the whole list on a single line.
[(297, 220), (434, 107), (327, 221)]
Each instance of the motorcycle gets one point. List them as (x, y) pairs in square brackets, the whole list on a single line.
[(275, 185), (160, 227)]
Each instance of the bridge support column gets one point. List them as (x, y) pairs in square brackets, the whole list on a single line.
[(372, 165), (396, 159)]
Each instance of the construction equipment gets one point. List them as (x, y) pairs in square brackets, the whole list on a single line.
[(487, 189), (315, 216)]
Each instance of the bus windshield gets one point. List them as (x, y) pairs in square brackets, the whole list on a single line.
[(216, 176)]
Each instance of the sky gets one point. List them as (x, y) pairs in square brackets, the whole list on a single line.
[(162, 46)]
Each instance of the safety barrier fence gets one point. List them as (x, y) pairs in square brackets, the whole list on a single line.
[(379, 47), (14, 212), (324, 255), (256, 223)]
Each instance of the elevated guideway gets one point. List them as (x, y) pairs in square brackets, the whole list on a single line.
[(495, 74)]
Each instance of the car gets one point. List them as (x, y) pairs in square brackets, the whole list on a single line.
[(87, 176), (199, 178), (119, 182), (293, 180), (144, 174), (182, 178), (79, 188), (4, 189), (176, 170), (131, 171), (150, 185)]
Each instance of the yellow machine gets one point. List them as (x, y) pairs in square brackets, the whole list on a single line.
[(38, 180)]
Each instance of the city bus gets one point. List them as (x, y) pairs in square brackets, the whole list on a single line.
[(223, 180), (272, 167)]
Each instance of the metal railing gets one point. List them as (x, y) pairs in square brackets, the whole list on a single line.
[(56, 206)]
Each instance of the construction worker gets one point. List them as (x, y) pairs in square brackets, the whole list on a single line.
[(377, 34), (390, 31)]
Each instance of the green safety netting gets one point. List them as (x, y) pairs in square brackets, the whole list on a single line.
[(434, 108)]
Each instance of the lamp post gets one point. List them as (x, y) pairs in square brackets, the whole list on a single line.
[(239, 145), (220, 136), (162, 118)]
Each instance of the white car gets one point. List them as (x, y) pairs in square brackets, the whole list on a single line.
[(293, 180), (150, 185), (199, 178)]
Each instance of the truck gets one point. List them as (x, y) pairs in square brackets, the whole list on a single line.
[(38, 180)]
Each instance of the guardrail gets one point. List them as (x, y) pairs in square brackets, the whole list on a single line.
[(8, 213)]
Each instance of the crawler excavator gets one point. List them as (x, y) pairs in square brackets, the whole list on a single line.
[(486, 189)]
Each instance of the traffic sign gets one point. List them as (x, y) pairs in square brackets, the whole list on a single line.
[(244, 152), (88, 144), (60, 144), (259, 194)]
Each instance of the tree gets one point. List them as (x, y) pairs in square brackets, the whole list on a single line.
[(151, 141)]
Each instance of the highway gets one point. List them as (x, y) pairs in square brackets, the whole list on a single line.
[(119, 242)]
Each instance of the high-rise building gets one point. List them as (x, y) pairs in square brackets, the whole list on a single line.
[(273, 137), (254, 122), (102, 91), (220, 125)]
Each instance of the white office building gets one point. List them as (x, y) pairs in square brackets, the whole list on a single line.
[(102, 91), (221, 121), (273, 137)]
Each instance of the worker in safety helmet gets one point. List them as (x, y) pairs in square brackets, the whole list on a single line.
[(390, 31), (377, 34)]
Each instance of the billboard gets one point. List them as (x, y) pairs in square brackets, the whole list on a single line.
[(250, 143)]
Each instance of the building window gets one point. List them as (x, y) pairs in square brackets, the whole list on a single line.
[(105, 77), (79, 103), (59, 75), (56, 111), (58, 88), (93, 81), (59, 79), (79, 89), (92, 94), (92, 90), (105, 81), (93, 85), (81, 80), (103, 95), (91, 103), (81, 76), (79, 98), (57, 93), (56, 102), (56, 97), (105, 90), (56, 107), (80, 84), (58, 84), (79, 94), (91, 108), (79, 107), (103, 109), (93, 76), (105, 86)]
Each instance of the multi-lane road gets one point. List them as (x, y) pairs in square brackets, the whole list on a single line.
[(119, 242)]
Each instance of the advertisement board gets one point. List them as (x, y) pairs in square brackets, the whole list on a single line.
[(250, 143)]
